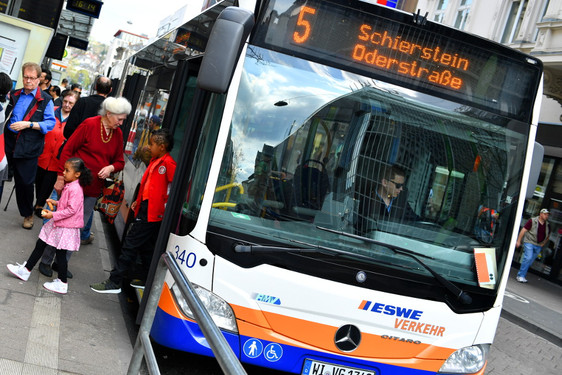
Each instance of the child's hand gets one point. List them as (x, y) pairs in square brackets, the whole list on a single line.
[(52, 203), (133, 205), (46, 214)]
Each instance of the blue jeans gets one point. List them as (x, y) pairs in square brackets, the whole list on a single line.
[(530, 253), (85, 232), (89, 203)]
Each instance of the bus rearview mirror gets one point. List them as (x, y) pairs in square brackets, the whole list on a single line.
[(224, 46)]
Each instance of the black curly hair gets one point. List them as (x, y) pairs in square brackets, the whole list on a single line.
[(85, 174)]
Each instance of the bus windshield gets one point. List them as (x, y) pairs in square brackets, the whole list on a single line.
[(312, 148)]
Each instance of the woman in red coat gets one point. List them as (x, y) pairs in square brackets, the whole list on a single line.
[(99, 142), (48, 162)]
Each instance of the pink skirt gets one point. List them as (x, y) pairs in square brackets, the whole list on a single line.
[(60, 238)]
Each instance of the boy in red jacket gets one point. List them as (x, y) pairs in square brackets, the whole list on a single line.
[(149, 211)]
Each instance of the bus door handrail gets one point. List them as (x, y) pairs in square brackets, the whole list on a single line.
[(228, 361)]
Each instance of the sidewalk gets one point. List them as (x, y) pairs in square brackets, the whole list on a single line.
[(535, 306), (44, 333)]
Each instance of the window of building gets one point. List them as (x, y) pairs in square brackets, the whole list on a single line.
[(514, 20), (545, 7), (440, 11), (462, 14)]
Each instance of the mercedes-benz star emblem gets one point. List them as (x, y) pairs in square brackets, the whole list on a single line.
[(347, 338)]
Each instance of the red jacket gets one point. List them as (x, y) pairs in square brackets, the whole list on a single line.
[(157, 180), (53, 140), (86, 143)]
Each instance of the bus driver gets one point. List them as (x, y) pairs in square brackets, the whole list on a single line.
[(386, 202)]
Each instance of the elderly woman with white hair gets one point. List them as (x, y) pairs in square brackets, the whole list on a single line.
[(98, 141)]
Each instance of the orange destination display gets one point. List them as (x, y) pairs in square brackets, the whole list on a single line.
[(403, 49)]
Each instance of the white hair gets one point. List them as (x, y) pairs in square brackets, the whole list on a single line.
[(117, 106)]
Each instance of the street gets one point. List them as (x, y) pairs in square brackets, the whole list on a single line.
[(517, 351)]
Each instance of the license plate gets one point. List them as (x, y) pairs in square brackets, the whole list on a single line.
[(312, 367)]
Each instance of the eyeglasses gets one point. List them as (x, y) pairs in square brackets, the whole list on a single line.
[(26, 78), (397, 184)]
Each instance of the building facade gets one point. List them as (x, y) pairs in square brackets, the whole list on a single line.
[(123, 45), (533, 27)]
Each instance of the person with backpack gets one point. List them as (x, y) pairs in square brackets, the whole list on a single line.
[(534, 235)]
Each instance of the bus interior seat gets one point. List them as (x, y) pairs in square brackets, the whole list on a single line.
[(310, 186)]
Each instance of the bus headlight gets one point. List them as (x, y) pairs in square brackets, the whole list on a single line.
[(218, 308), (466, 360)]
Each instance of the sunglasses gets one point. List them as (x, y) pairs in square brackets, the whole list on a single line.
[(398, 185)]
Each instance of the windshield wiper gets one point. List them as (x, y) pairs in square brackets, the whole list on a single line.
[(460, 294), (307, 248)]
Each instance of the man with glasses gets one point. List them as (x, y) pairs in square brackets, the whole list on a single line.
[(30, 115), (384, 201), (534, 235)]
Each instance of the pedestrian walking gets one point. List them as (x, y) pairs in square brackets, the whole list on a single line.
[(63, 231), (149, 211), (534, 235), (30, 115)]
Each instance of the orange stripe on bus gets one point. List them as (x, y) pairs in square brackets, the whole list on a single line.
[(321, 337)]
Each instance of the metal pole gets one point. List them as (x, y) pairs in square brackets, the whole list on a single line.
[(226, 358), (146, 325), (10, 197)]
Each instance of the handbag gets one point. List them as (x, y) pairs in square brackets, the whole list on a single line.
[(111, 197)]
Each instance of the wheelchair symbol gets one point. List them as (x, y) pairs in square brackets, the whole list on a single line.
[(273, 352)]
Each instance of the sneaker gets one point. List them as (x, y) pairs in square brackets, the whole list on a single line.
[(137, 284), (56, 286), (69, 274), (45, 269), (521, 279), (88, 240), (106, 286), (28, 222), (19, 271)]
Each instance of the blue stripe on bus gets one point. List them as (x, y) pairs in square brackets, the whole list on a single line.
[(186, 336)]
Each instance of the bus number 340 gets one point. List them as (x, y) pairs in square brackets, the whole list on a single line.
[(184, 257)]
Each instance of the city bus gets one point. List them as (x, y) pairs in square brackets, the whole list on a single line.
[(349, 187)]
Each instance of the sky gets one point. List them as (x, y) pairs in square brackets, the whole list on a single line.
[(136, 16)]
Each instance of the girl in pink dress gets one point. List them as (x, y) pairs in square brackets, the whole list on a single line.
[(63, 232)]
